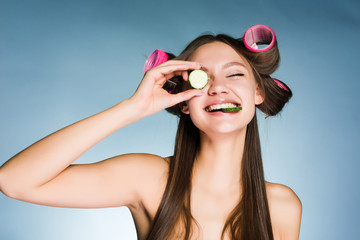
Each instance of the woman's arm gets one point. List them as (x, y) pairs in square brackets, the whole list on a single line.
[(42, 172)]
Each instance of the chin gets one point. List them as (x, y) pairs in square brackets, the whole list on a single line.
[(223, 129)]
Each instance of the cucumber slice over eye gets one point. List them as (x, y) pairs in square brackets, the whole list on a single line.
[(198, 79), (233, 109)]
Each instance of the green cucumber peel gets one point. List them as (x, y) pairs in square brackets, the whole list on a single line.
[(232, 109), (198, 79)]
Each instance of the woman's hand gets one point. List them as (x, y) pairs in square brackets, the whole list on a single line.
[(150, 97)]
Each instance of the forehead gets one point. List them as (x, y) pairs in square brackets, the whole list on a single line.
[(217, 52)]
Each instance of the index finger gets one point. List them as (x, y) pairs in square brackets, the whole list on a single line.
[(178, 66)]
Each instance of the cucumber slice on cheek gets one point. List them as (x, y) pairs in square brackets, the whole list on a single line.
[(233, 109), (198, 79)]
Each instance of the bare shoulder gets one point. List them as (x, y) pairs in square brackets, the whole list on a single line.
[(282, 194), (149, 174), (147, 170), (285, 210)]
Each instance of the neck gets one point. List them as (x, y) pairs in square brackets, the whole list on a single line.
[(218, 163)]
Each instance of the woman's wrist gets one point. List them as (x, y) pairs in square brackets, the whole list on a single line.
[(130, 110), (136, 107)]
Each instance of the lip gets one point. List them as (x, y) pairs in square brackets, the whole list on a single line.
[(221, 114)]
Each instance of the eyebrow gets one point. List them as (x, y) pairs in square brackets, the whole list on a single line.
[(227, 65), (230, 64)]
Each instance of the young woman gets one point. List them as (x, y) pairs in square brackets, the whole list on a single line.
[(213, 186)]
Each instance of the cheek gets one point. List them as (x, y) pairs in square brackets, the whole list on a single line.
[(196, 112), (193, 107), (245, 92)]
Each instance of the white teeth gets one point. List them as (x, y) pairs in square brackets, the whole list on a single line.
[(220, 106)]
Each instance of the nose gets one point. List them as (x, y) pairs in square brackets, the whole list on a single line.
[(217, 87)]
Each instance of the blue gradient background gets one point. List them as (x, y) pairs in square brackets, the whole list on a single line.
[(61, 61)]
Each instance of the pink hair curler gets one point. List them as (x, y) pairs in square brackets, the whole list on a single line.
[(259, 35), (280, 84), (155, 59)]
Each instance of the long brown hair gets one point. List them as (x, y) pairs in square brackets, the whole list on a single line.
[(250, 219)]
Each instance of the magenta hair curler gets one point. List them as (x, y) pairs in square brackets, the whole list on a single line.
[(280, 84), (259, 35), (155, 59)]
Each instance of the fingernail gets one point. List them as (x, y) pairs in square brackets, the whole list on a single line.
[(199, 94)]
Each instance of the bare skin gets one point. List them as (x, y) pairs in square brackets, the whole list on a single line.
[(43, 173)]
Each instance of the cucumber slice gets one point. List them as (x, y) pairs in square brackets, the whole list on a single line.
[(198, 79), (233, 109)]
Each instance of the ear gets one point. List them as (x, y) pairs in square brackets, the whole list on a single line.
[(184, 107), (259, 96)]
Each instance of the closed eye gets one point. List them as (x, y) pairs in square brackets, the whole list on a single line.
[(236, 75)]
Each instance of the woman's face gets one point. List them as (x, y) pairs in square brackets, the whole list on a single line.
[(231, 80)]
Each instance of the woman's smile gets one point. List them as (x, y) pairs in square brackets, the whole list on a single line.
[(215, 107)]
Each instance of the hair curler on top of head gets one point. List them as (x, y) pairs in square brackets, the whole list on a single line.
[(259, 35)]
